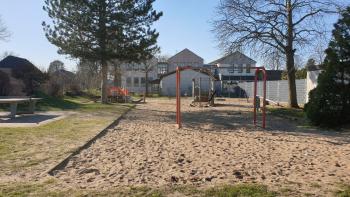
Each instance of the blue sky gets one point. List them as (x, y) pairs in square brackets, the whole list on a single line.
[(185, 24)]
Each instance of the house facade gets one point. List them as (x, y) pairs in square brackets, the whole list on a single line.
[(232, 69), (229, 70), (133, 76), (184, 58), (168, 82), (235, 67)]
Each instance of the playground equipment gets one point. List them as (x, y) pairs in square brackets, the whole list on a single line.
[(263, 71), (258, 70), (200, 94), (117, 94), (121, 95)]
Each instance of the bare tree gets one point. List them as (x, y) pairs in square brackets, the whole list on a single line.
[(88, 74), (319, 50), (7, 53), (56, 65), (149, 66), (4, 33), (163, 58), (269, 25), (274, 60)]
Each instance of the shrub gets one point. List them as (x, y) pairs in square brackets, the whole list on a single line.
[(4, 84), (329, 103), (31, 77), (55, 90)]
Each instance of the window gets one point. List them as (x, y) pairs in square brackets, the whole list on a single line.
[(135, 67), (248, 68), (143, 81), (162, 69), (128, 82), (129, 67), (240, 68), (136, 82), (231, 69)]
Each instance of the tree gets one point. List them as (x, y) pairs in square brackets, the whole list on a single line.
[(299, 74), (149, 66), (274, 60), (266, 26), (4, 33), (116, 72), (88, 74), (329, 102), (7, 53), (55, 66), (5, 85), (163, 58), (103, 30)]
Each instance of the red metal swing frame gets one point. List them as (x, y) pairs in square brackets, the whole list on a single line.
[(258, 70)]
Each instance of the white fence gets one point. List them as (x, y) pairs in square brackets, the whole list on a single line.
[(277, 90)]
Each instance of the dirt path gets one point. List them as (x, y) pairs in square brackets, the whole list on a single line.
[(217, 146)]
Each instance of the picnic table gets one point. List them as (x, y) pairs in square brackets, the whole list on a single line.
[(15, 101)]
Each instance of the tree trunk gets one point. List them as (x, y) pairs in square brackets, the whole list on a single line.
[(146, 84), (117, 77), (104, 70), (293, 102)]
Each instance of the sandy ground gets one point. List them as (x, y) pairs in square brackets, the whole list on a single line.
[(216, 146)]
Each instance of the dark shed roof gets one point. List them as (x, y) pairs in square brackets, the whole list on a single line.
[(16, 63)]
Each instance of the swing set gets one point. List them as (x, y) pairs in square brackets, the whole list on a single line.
[(256, 97)]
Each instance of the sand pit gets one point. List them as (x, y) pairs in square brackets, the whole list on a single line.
[(216, 146)]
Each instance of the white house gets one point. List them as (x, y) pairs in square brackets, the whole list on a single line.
[(184, 58), (133, 76), (229, 70), (235, 67), (168, 82)]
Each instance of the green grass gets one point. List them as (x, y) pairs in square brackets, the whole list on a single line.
[(344, 192), (46, 189), (30, 150), (287, 112), (240, 190)]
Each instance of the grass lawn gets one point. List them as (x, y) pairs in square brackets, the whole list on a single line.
[(286, 112), (345, 192), (27, 153), (46, 189)]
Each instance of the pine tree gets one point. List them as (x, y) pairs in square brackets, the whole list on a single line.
[(329, 103), (103, 30)]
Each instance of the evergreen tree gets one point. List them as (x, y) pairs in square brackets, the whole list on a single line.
[(103, 30), (329, 103)]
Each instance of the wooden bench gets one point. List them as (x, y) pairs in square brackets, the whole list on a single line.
[(16, 100)]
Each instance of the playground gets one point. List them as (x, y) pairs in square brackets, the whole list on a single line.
[(216, 146)]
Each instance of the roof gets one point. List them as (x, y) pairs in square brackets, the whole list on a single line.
[(16, 63), (184, 52), (235, 55), (272, 75), (197, 69)]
